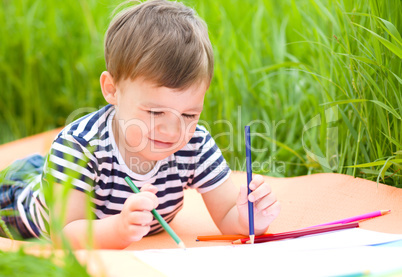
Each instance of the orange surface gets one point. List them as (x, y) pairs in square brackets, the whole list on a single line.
[(15, 150), (305, 200)]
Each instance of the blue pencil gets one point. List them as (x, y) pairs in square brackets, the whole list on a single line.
[(249, 177)]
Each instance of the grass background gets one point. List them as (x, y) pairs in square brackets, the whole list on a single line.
[(319, 81)]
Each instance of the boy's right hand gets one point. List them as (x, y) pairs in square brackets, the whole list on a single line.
[(134, 220)]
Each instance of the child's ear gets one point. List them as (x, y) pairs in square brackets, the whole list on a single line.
[(108, 88)]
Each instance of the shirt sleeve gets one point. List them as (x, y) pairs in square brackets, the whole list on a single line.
[(211, 169), (71, 162)]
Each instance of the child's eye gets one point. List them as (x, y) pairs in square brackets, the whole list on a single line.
[(190, 116), (155, 113)]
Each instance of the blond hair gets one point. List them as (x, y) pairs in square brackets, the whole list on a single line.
[(164, 42)]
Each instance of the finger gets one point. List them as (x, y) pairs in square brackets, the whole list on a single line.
[(152, 197), (142, 218), (141, 201), (272, 211), (138, 232), (242, 198), (259, 192), (256, 181), (149, 187), (265, 202)]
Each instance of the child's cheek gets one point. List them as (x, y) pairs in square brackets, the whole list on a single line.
[(190, 129), (135, 136)]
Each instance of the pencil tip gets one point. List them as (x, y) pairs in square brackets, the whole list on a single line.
[(385, 212), (238, 241), (252, 239), (182, 245)]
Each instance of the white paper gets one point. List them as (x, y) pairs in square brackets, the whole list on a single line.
[(336, 239), (329, 254)]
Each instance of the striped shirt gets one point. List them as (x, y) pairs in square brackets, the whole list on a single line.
[(85, 155)]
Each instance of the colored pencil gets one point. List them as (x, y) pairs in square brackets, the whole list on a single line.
[(298, 233), (158, 217), (220, 237), (355, 218), (342, 221), (249, 178)]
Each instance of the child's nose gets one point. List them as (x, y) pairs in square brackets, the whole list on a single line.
[(171, 128)]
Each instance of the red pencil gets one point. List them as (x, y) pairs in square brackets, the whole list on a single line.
[(298, 233), (221, 237)]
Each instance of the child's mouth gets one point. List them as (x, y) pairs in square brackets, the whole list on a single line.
[(161, 144)]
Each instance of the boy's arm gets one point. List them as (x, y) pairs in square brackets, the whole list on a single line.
[(113, 232), (228, 207)]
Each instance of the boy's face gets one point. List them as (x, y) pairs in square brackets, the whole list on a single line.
[(155, 122)]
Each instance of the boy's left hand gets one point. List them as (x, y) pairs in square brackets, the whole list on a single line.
[(266, 206)]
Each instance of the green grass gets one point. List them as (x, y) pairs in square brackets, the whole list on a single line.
[(319, 81), (19, 263)]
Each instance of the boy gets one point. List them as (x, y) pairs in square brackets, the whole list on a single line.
[(159, 65)]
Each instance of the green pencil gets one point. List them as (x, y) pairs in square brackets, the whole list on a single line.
[(158, 217)]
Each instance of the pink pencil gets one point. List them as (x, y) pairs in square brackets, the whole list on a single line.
[(298, 233), (354, 218)]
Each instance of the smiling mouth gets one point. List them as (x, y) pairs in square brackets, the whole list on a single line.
[(161, 144)]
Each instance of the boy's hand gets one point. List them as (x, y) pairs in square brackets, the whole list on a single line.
[(266, 206), (134, 220)]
